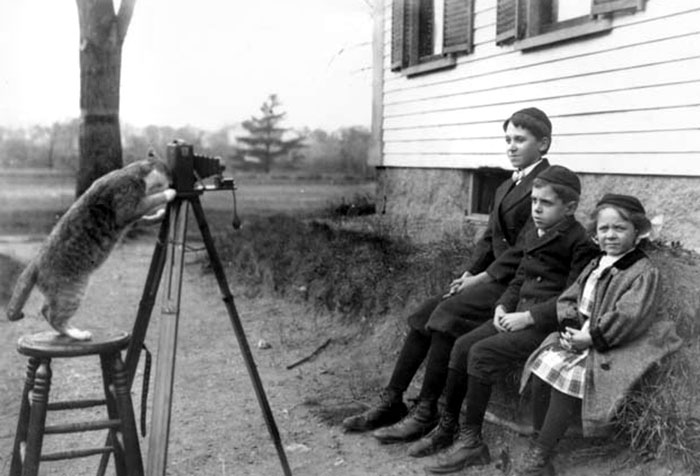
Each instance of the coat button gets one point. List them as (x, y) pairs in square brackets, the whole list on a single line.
[(539, 279), (605, 366)]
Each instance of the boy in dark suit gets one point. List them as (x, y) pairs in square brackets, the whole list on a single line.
[(556, 249), (438, 322)]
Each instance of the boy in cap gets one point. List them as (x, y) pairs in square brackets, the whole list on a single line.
[(439, 321), (556, 249)]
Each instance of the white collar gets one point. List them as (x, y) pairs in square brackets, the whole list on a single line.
[(519, 174)]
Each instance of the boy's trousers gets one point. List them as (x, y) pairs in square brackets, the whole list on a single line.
[(486, 353)]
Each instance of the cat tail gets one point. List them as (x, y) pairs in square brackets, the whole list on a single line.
[(21, 292)]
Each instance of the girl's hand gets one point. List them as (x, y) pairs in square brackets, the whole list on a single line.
[(516, 321), (498, 318), (576, 339)]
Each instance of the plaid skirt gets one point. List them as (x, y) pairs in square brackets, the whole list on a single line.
[(562, 369)]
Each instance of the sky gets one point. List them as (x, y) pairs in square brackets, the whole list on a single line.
[(206, 64)]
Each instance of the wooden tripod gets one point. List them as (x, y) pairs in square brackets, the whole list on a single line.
[(168, 256)]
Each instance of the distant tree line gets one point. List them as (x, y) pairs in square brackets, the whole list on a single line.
[(56, 147)]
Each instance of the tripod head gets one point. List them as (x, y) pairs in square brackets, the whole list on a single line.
[(189, 170)]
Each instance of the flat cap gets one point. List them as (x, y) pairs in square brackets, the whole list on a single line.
[(562, 176), (532, 119)]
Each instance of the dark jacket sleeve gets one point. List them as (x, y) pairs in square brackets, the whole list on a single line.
[(483, 251), (545, 312)]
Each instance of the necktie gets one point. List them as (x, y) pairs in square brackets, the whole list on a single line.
[(518, 176)]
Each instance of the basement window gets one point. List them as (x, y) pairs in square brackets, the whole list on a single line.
[(485, 181)]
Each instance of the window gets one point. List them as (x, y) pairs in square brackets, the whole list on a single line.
[(428, 34), (485, 181), (533, 23)]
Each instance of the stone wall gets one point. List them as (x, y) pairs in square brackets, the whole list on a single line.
[(426, 204)]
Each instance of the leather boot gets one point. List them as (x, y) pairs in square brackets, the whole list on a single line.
[(442, 436), (468, 450), (390, 409), (536, 461), (421, 419)]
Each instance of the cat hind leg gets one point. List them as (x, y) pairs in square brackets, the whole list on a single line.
[(58, 312)]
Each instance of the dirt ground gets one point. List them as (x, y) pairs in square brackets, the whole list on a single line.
[(217, 425)]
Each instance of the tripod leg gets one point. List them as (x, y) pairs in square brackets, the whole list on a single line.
[(167, 341), (143, 317), (240, 333), (148, 299)]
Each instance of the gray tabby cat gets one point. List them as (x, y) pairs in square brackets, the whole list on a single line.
[(84, 237)]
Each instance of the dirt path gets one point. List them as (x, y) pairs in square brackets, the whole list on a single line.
[(217, 426)]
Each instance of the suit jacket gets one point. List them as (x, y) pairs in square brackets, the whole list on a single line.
[(511, 210), (550, 264)]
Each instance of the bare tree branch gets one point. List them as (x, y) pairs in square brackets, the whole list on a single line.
[(126, 11)]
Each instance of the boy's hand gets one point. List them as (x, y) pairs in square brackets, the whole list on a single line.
[(458, 284), (498, 317), (516, 321), (576, 339)]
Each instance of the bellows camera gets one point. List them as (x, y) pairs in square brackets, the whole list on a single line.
[(189, 168)]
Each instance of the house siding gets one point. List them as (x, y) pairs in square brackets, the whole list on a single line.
[(625, 106)]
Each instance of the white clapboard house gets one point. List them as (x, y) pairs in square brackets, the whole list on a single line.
[(620, 80)]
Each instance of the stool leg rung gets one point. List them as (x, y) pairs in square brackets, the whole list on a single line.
[(72, 454), (82, 426), (76, 404)]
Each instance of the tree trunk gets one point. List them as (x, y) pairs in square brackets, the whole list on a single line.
[(102, 35)]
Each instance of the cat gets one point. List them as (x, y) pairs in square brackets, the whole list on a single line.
[(84, 237)]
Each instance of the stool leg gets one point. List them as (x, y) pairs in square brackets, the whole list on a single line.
[(134, 463), (37, 418), (113, 413), (23, 419)]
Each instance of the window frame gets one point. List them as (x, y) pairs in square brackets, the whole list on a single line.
[(484, 179), (406, 41), (520, 22)]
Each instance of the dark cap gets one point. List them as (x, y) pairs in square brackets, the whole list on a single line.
[(628, 202), (533, 119), (562, 176)]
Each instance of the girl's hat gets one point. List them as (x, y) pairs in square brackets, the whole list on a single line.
[(627, 202), (632, 205)]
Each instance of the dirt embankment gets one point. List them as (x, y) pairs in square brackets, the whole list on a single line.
[(217, 426)]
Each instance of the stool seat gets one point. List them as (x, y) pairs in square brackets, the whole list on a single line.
[(50, 344)]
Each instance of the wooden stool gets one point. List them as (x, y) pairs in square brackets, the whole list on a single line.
[(31, 425)]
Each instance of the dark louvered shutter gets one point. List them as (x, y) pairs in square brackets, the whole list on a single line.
[(398, 50), (507, 20), (459, 26), (425, 27), (607, 6)]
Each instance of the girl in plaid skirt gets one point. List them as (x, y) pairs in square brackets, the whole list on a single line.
[(608, 335)]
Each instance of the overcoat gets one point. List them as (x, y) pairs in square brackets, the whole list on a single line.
[(495, 253), (628, 339)]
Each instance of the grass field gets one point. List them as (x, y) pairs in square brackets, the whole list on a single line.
[(47, 194)]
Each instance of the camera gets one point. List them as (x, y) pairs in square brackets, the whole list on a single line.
[(189, 168)]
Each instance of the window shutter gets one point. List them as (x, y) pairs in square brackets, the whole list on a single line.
[(425, 27), (599, 7), (398, 50), (508, 14), (459, 26)]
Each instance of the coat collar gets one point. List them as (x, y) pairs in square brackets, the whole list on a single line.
[(512, 196), (553, 233), (623, 263)]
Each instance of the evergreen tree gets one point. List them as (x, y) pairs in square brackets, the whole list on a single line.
[(265, 138)]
